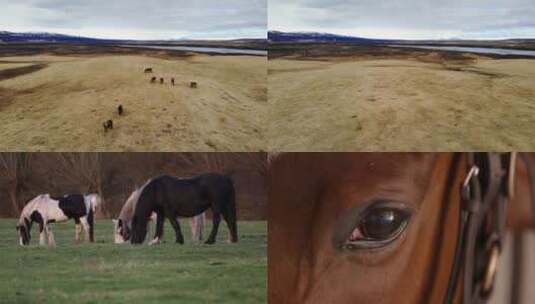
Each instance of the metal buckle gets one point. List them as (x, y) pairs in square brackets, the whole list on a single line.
[(466, 191), (490, 271)]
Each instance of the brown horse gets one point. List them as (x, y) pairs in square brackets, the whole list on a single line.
[(369, 227), (153, 80), (161, 80), (108, 125)]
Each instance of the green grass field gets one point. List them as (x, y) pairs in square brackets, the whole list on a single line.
[(107, 273)]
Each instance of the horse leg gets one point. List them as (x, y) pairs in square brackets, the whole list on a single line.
[(86, 227), (194, 224), (42, 234), (51, 240), (159, 229), (229, 214), (78, 230), (216, 218), (197, 225), (91, 225), (178, 231)]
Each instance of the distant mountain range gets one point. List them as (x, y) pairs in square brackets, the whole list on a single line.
[(278, 36), (11, 37), (6, 36)]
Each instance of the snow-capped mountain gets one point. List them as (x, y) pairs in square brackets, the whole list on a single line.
[(6, 36), (318, 37)]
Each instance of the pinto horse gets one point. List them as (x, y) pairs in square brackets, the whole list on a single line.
[(371, 227), (123, 224), (45, 209), (170, 197)]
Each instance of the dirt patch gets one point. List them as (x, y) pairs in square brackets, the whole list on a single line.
[(15, 72), (6, 97)]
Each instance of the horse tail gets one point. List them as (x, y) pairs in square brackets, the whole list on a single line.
[(91, 222)]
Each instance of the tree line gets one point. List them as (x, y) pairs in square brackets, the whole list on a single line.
[(115, 175)]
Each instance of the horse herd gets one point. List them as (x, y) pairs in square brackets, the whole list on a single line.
[(153, 79), (108, 124), (159, 198)]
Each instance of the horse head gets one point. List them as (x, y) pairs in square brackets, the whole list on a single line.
[(121, 231)]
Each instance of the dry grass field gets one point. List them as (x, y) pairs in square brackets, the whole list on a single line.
[(50, 103), (392, 103)]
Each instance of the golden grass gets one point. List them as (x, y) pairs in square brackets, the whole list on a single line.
[(62, 107), (401, 104)]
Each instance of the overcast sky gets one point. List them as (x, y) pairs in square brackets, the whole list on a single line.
[(409, 19), (135, 19)]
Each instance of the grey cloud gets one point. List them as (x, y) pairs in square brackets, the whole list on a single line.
[(189, 17), (459, 16)]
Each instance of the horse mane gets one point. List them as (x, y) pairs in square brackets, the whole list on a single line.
[(127, 211)]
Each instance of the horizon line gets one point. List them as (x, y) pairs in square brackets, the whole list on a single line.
[(410, 39), (130, 39)]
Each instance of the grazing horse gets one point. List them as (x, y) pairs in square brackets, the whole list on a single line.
[(122, 225), (108, 125), (153, 80), (147, 70), (386, 227), (45, 209), (170, 197)]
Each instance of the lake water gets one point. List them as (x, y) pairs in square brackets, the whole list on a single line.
[(217, 50), (479, 50)]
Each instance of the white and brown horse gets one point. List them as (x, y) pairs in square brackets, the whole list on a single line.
[(45, 209)]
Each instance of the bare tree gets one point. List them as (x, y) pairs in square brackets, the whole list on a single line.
[(83, 169), (15, 169), (225, 163)]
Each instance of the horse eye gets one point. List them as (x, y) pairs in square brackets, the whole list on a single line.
[(377, 228)]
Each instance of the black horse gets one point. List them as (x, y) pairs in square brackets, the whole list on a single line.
[(170, 197)]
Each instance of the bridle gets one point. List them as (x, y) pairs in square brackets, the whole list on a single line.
[(487, 188)]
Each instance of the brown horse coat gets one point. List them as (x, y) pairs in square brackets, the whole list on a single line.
[(310, 194)]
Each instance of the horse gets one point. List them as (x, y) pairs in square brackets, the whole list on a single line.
[(153, 80), (45, 209), (108, 125), (170, 197), (147, 70), (161, 80), (193, 85), (122, 225), (172, 81), (386, 227), (120, 110)]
